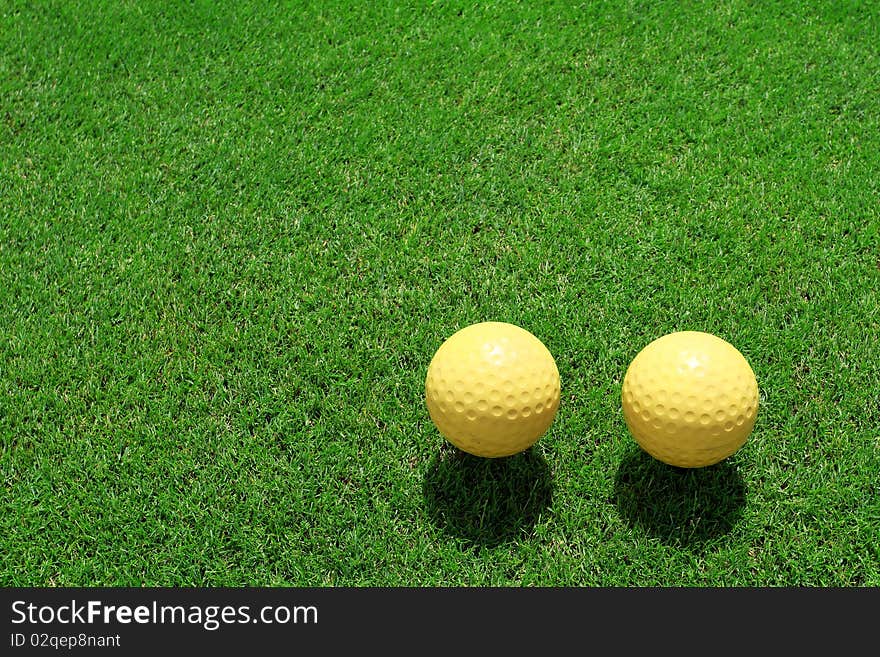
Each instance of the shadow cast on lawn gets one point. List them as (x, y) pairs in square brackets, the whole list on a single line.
[(487, 501), (682, 507)]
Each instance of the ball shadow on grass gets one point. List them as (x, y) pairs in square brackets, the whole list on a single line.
[(487, 501), (681, 507)]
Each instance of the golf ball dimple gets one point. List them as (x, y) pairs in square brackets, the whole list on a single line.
[(690, 399), (505, 383)]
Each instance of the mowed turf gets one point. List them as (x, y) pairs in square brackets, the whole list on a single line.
[(232, 236)]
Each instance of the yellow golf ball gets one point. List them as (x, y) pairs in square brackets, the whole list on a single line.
[(690, 399), (492, 389)]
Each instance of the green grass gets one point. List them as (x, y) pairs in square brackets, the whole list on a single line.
[(232, 235)]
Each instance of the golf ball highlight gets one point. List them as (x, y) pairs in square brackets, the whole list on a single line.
[(492, 389), (690, 399)]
